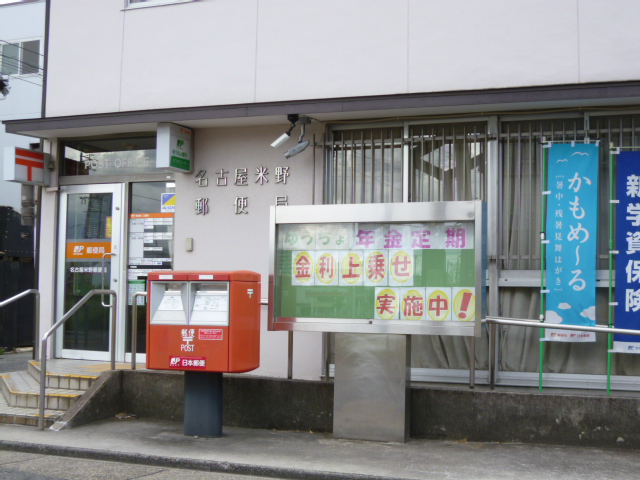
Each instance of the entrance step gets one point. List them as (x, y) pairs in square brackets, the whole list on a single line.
[(57, 378), (17, 407), (66, 381), (20, 389)]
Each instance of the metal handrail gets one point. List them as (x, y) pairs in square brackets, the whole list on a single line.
[(103, 268), (523, 322), (134, 327), (37, 312), (45, 337)]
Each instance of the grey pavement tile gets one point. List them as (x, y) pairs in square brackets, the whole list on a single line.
[(65, 468), (173, 474), (7, 457), (14, 362), (11, 474)]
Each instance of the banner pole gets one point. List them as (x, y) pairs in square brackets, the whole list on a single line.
[(612, 197), (542, 260)]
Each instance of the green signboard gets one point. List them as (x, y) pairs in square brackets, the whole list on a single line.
[(407, 276)]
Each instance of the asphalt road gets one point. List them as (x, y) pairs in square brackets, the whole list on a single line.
[(15, 362), (29, 466)]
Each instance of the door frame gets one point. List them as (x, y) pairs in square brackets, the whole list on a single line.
[(117, 281)]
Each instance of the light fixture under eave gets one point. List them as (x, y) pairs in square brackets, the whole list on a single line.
[(301, 146), (293, 151)]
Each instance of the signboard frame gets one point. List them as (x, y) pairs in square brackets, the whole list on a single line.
[(174, 148), (384, 214), (27, 167), (627, 233)]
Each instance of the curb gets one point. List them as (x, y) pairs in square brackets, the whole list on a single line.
[(185, 463)]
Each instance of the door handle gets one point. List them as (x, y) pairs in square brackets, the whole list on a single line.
[(104, 256)]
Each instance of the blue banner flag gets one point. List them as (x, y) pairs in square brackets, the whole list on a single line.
[(571, 231), (628, 257)]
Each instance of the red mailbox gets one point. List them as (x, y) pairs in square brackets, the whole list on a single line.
[(203, 321)]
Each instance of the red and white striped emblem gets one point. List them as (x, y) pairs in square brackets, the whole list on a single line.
[(26, 166), (32, 164)]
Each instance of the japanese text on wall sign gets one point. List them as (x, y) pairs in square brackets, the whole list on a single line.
[(241, 178), (628, 251), (568, 225), (632, 239), (571, 225), (389, 260)]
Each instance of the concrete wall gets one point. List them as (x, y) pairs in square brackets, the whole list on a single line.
[(104, 58), (436, 412)]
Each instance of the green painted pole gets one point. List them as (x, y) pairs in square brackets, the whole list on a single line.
[(543, 249), (612, 196)]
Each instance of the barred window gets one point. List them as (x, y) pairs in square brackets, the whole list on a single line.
[(448, 162), (365, 166)]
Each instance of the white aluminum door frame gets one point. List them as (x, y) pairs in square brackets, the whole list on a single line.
[(115, 282)]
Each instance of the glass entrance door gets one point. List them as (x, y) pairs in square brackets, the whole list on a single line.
[(150, 248), (88, 258)]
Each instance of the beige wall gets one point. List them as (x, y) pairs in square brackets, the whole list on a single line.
[(224, 240)]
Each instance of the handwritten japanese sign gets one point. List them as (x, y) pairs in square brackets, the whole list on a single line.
[(411, 271), (571, 226), (628, 246)]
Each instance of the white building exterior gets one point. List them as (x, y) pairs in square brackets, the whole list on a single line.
[(234, 70), (223, 53), (19, 22)]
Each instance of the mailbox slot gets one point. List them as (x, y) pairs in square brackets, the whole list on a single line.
[(210, 303), (168, 303)]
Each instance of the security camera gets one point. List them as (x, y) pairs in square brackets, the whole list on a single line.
[(292, 152), (281, 139)]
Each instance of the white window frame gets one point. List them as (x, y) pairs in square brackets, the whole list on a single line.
[(20, 44), (152, 3)]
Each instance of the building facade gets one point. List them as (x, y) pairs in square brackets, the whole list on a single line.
[(21, 66), (409, 101), (21, 61)]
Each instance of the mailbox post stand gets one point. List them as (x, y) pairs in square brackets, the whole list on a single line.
[(203, 404)]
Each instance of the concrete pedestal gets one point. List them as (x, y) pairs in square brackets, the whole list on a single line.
[(371, 388)]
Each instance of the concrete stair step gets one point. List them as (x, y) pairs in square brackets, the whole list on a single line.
[(26, 416), (21, 390), (60, 380), (66, 381)]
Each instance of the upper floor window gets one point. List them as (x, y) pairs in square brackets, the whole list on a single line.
[(20, 58), (150, 3)]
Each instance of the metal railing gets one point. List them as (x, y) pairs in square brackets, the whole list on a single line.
[(134, 327), (522, 322), (45, 337), (37, 312)]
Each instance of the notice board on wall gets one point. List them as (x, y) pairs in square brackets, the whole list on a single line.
[(415, 268)]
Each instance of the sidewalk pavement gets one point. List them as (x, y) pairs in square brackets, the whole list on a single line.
[(15, 361), (305, 455)]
